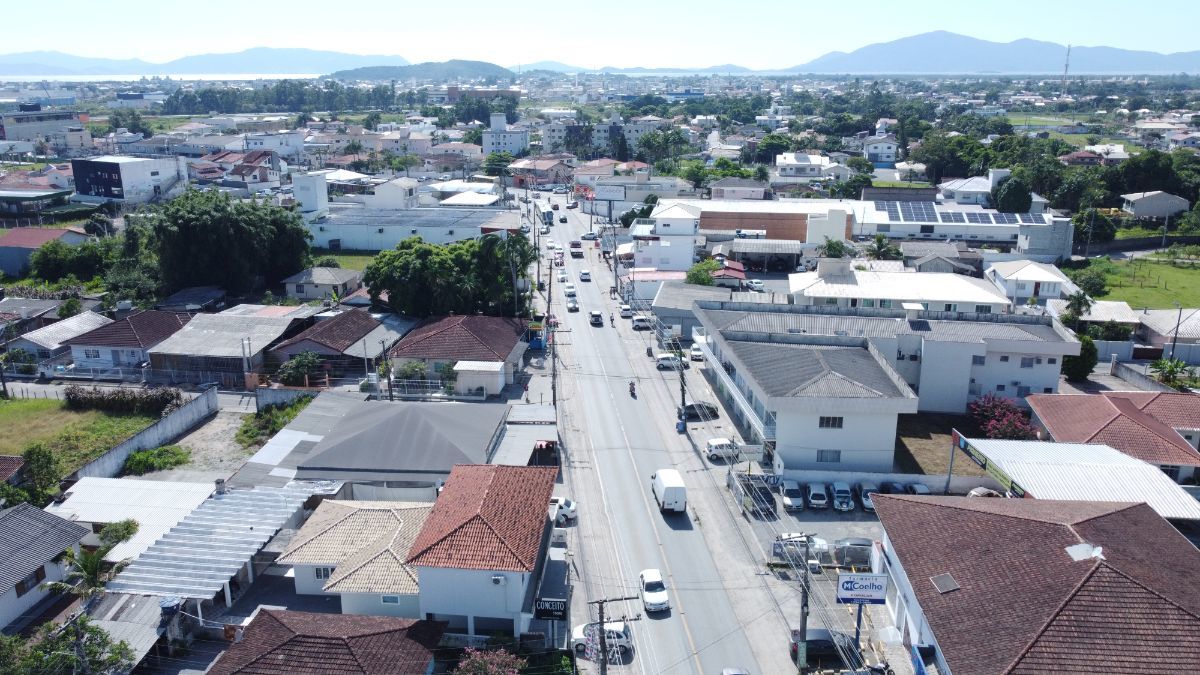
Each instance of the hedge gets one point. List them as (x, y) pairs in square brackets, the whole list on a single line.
[(150, 402)]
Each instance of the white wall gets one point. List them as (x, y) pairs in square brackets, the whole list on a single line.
[(13, 607), (371, 604), (472, 593), (867, 441), (368, 492), (945, 375), (369, 238), (307, 582), (311, 191)]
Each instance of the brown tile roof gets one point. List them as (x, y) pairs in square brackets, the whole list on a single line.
[(280, 642), (1123, 420), (32, 237), (140, 331), (488, 517), (9, 466), (338, 333), (1024, 605), (461, 338)]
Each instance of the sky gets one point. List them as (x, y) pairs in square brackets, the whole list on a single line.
[(759, 34)]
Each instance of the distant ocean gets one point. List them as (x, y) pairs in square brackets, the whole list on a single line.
[(135, 78)]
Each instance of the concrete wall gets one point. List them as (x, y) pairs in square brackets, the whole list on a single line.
[(472, 593), (1189, 353), (1106, 348), (1137, 379), (959, 485), (265, 397), (867, 442), (161, 432), (372, 604)]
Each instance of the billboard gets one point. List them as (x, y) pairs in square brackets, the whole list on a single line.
[(613, 193), (550, 608), (862, 589)]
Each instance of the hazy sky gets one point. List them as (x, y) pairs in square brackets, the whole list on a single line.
[(654, 33)]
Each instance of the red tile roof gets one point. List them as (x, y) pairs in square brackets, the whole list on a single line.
[(137, 331), (461, 338), (33, 237), (1124, 421), (337, 333), (9, 466), (1024, 605), (279, 642), (487, 517)]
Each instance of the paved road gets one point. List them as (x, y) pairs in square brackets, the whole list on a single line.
[(616, 442)]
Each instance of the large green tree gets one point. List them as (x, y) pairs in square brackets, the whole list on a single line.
[(81, 647), (209, 239), (701, 273), (1078, 368), (1012, 196)]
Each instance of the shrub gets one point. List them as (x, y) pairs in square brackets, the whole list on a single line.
[(156, 459), (298, 370), (262, 425), (149, 402), (1077, 368), (999, 417)]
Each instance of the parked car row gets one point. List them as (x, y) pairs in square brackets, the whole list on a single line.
[(841, 495)]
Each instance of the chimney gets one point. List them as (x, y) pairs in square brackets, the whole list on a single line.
[(220, 486)]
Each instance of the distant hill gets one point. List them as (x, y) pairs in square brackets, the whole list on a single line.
[(552, 66), (445, 70), (728, 68), (260, 60), (942, 52)]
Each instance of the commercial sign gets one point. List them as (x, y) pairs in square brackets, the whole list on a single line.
[(981, 459), (614, 193), (862, 589), (550, 608)]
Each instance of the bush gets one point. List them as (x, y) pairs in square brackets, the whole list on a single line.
[(1077, 368), (156, 459), (148, 402), (262, 425), (298, 370), (1000, 418)]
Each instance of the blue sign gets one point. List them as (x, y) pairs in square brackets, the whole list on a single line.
[(862, 589)]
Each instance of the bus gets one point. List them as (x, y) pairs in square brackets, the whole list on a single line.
[(547, 214)]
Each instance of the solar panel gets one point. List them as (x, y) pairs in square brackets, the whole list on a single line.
[(925, 211), (952, 217), (1029, 218), (979, 218), (1005, 218)]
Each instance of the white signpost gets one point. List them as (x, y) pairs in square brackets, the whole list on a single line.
[(609, 193), (861, 589)]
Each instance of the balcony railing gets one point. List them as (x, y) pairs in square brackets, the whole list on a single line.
[(767, 433)]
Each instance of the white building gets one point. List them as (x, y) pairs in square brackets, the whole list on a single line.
[(398, 193), (1156, 204), (881, 150), (132, 180), (974, 190), (322, 283), (738, 188), (667, 241), (616, 194), (288, 144), (1021, 280), (499, 138), (31, 545), (805, 167), (838, 283), (311, 192)]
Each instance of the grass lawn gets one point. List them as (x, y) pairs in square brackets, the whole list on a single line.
[(77, 437), (351, 260), (1143, 283), (923, 443)]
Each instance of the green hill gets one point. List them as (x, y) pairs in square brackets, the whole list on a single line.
[(445, 70)]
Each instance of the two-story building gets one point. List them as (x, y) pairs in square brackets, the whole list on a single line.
[(839, 283), (806, 167), (31, 544), (131, 180), (1025, 280), (882, 151), (667, 241)]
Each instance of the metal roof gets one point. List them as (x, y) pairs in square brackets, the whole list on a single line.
[(1088, 472), (926, 286), (54, 335), (221, 335), (762, 246), (197, 557)]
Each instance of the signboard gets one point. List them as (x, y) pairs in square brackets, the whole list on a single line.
[(612, 193), (862, 589), (550, 608), (981, 459)]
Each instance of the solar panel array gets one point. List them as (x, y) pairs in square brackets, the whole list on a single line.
[(918, 212), (1005, 218), (1030, 218), (952, 217), (925, 212), (892, 209), (979, 218)]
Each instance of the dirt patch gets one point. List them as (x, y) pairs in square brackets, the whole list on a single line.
[(215, 453), (923, 444)]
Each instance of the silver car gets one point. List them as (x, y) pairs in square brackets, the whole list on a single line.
[(818, 496), (791, 495)]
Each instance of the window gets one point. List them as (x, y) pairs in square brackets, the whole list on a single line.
[(830, 456), (1026, 361), (883, 228), (885, 304), (322, 572), (830, 422), (978, 360), (1048, 390), (91, 353), (1022, 391), (831, 301), (983, 309), (299, 288), (999, 387), (31, 582), (1020, 287), (868, 302), (926, 229), (948, 307), (1004, 359), (1172, 471), (389, 599), (153, 173), (1052, 360)]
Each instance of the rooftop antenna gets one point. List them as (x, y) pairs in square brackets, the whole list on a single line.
[(1066, 68)]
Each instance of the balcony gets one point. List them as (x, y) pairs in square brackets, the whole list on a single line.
[(725, 378)]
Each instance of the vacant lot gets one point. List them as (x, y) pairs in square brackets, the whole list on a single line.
[(351, 260), (923, 443), (76, 437), (1156, 285)]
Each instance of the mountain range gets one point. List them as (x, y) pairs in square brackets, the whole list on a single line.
[(259, 60), (445, 70)]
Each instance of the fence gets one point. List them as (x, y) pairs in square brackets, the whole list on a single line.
[(1138, 244), (1188, 353), (1137, 379), (1106, 348), (161, 432), (265, 397)]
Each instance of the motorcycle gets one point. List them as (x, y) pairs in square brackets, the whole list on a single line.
[(611, 322), (633, 390)]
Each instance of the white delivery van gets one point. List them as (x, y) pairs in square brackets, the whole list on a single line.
[(669, 490)]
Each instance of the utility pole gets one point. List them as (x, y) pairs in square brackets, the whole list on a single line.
[(603, 637), (1175, 337), (387, 369)]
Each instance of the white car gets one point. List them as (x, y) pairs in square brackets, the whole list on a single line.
[(617, 636), (585, 276), (545, 229), (654, 591), (626, 311), (720, 448), (549, 244), (563, 509), (695, 353), (569, 290), (562, 276), (791, 495), (756, 285)]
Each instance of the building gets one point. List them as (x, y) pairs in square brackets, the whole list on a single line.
[(838, 283), (357, 550), (36, 125), (1156, 204), (738, 188), (667, 241), (882, 151), (283, 642), (31, 542), (480, 552), (124, 343), (1159, 428), (131, 180), (1025, 280), (1162, 327), (808, 167), (18, 244), (440, 342), (1081, 158), (322, 283), (27, 203), (224, 347), (289, 144), (930, 256), (948, 358), (1100, 312), (345, 341), (613, 195), (975, 190), (532, 171), (51, 341), (499, 138), (1090, 597)]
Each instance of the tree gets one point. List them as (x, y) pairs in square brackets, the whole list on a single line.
[(43, 471), (354, 147), (695, 173), (1093, 226), (497, 163), (881, 248), (117, 532), (404, 163), (1078, 304), (701, 273), (489, 662), (98, 225), (79, 647), (1078, 368), (1000, 418), (299, 370), (1091, 281), (762, 174), (86, 574), (1012, 196), (835, 248), (327, 261), (473, 136), (1170, 371), (860, 164), (372, 120), (852, 187), (69, 308), (770, 146)]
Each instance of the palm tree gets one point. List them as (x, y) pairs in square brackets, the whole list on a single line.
[(1078, 304), (87, 573), (882, 249)]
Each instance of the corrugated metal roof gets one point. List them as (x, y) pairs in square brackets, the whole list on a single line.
[(928, 286), (1087, 472), (29, 538), (51, 337), (803, 371), (221, 335)]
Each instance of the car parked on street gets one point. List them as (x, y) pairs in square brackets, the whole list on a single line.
[(668, 362), (697, 411), (891, 487), (791, 495), (695, 353), (756, 285), (653, 591), (864, 491), (639, 322), (562, 219), (572, 205), (818, 496), (626, 311), (616, 635), (917, 489), (564, 509), (589, 236), (720, 448), (824, 648)]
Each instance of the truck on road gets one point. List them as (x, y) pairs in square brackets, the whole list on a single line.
[(669, 490)]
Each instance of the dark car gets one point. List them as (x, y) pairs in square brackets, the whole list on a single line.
[(562, 219), (891, 487), (697, 411), (822, 648)]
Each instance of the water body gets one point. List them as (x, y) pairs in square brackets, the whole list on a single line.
[(181, 77)]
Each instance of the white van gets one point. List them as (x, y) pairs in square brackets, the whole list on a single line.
[(669, 491), (641, 323)]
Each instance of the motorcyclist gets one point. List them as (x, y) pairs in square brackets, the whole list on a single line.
[(632, 388), (611, 322)]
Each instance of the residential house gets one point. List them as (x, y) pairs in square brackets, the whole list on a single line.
[(470, 152), (738, 188), (1159, 428), (403, 451), (258, 170), (357, 550), (499, 138), (807, 167), (321, 283), (1025, 280), (284, 642), (882, 151), (10, 468), (1183, 139), (18, 244), (1156, 204), (51, 341), (974, 190), (440, 342), (194, 299), (838, 283), (21, 315), (930, 256), (589, 175), (949, 359), (481, 550), (125, 179), (1162, 327), (31, 542), (533, 171), (1096, 602), (289, 144), (346, 340), (1100, 313), (667, 241), (1110, 153), (1081, 158)]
